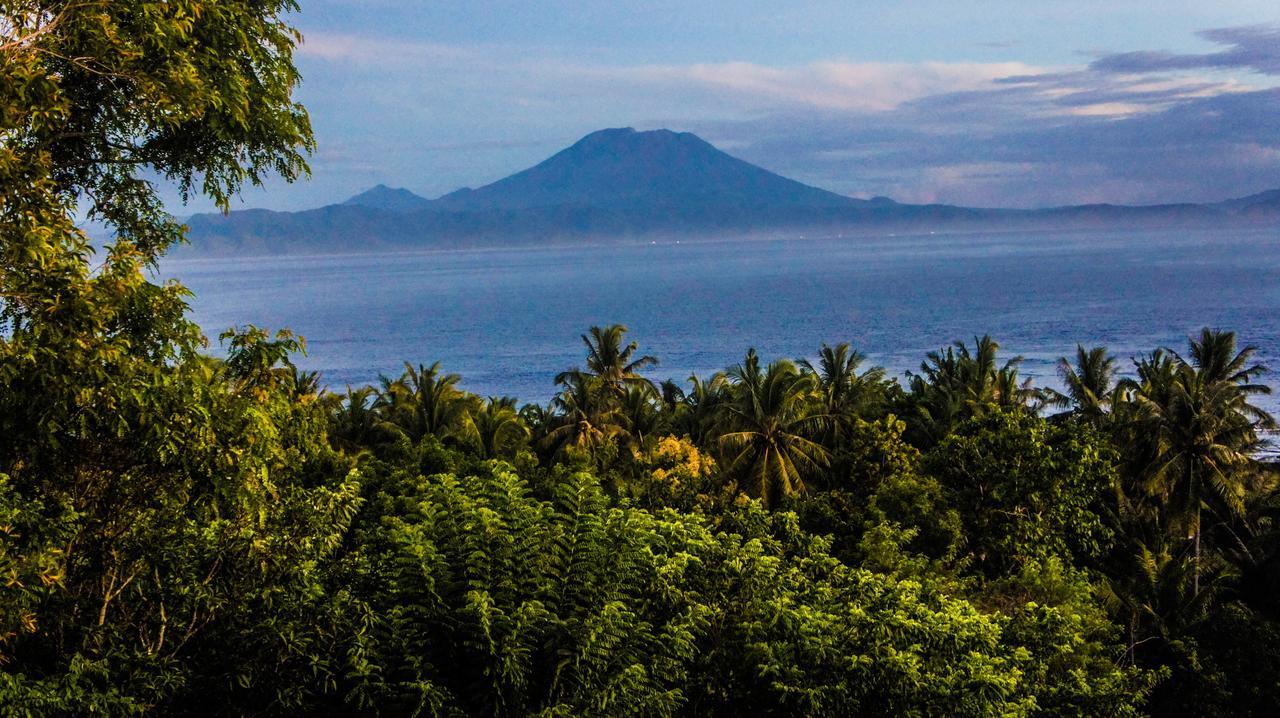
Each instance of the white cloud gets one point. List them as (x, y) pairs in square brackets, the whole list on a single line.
[(829, 84), (436, 116)]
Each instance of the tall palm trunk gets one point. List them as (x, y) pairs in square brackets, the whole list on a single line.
[(1195, 581), (1195, 575)]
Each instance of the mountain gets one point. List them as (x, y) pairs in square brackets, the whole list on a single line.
[(622, 168), (620, 184), (389, 198), (1264, 205)]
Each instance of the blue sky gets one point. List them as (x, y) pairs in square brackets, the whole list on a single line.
[(1028, 103)]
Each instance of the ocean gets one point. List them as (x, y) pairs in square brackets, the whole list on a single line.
[(509, 320)]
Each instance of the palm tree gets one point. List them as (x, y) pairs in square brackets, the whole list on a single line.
[(610, 362), (1151, 593), (956, 384), (354, 424), (703, 407), (640, 412), (497, 429), (305, 384), (583, 420), (1204, 430), (672, 395), (1089, 382), (1215, 355), (770, 415), (424, 401), (845, 392)]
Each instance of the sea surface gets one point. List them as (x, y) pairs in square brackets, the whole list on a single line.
[(509, 320)]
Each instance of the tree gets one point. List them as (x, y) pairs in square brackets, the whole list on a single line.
[(641, 413), (424, 401), (769, 420), (846, 394), (584, 421), (1026, 490), (354, 424), (610, 363), (1204, 431), (704, 407), (256, 363), (1090, 382), (955, 384), (199, 92), (484, 600), (498, 430), (174, 509)]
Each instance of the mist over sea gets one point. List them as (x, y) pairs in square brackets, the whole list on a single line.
[(509, 320)]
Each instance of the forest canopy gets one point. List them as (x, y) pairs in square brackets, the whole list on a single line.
[(182, 534)]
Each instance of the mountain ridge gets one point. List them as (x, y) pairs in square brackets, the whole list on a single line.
[(622, 184)]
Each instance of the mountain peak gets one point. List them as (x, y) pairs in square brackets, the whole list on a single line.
[(394, 199), (622, 167)]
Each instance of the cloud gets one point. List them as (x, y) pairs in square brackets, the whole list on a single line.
[(1253, 47), (840, 85), (338, 47), (1126, 127), (828, 84), (979, 149)]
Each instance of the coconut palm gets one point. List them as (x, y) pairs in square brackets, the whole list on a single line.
[(1089, 382), (641, 414), (845, 392), (672, 395), (770, 416), (1153, 596), (425, 401), (955, 384), (497, 430), (1214, 354), (612, 365), (354, 423), (1203, 429), (703, 407), (305, 384), (583, 419)]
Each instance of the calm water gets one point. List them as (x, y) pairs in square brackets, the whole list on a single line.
[(509, 320)]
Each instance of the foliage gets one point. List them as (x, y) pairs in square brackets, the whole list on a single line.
[(770, 422), (488, 600), (1026, 490), (184, 534)]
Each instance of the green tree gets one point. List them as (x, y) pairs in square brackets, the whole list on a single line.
[(956, 384), (704, 407), (354, 424), (585, 420), (426, 402), (172, 510), (846, 393), (1204, 431), (498, 430), (611, 365), (257, 363), (1025, 489), (769, 421), (1089, 383), (485, 600)]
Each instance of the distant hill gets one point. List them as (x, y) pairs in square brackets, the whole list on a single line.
[(1264, 205), (389, 198), (623, 184)]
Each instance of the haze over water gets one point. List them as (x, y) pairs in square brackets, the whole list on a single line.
[(509, 320)]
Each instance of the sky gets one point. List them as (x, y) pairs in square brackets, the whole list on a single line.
[(980, 103)]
